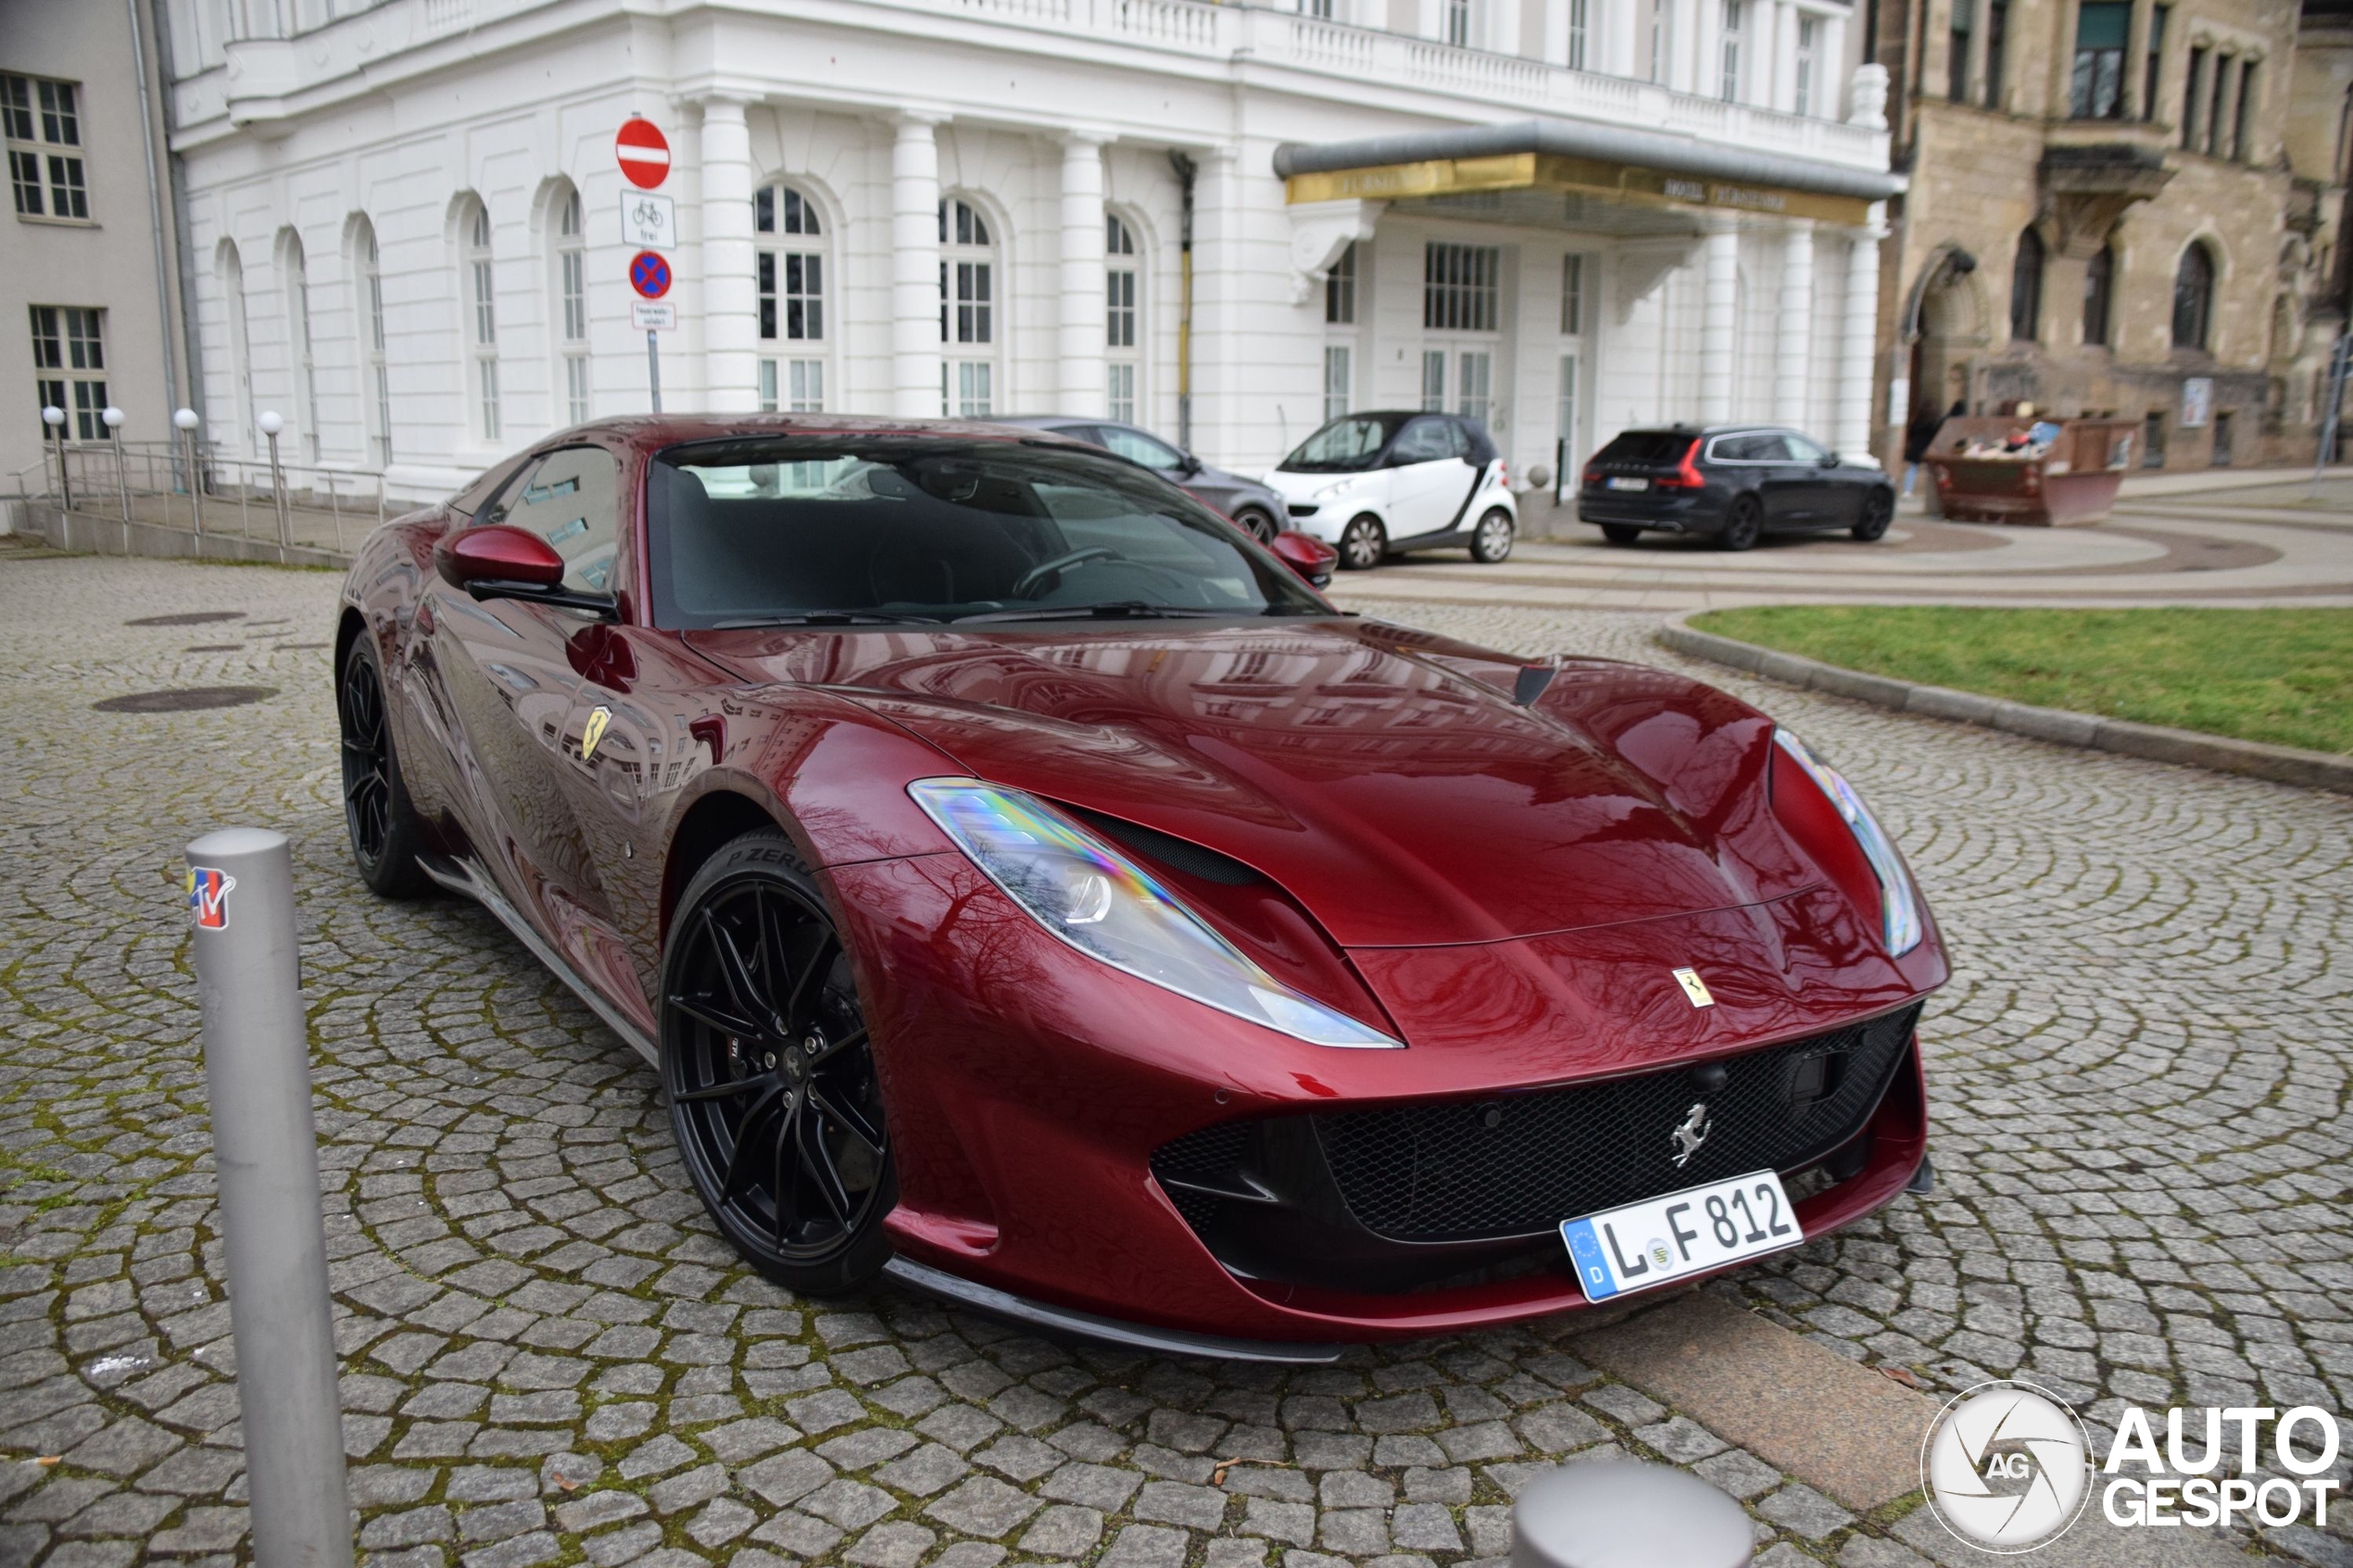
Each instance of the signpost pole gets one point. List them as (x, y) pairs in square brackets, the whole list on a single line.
[(653, 369)]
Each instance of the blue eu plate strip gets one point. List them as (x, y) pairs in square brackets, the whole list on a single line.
[(1585, 1248)]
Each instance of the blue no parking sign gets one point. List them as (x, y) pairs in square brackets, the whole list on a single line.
[(650, 274)]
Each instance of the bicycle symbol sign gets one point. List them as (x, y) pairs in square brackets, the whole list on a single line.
[(650, 274)]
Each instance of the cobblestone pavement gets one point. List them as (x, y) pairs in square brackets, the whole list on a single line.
[(550, 1357)]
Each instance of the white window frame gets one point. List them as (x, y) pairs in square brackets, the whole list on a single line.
[(41, 122), (1808, 62), (301, 354), (1732, 28), (480, 281), (1577, 272), (1433, 380), (1564, 412), (233, 280), (1339, 378), (70, 365), (1124, 324), (569, 274), (795, 271), (378, 396), (1475, 385), (1458, 23), (1661, 42), (1580, 34), (971, 308)]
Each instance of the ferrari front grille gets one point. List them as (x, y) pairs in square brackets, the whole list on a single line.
[(1519, 1165)]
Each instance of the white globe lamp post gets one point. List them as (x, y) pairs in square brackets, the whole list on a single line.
[(185, 420)]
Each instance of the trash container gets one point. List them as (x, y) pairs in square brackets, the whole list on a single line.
[(1982, 474)]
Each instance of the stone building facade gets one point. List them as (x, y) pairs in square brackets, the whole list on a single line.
[(2100, 218), (406, 218), (90, 296)]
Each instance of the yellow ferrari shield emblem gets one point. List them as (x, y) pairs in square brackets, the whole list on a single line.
[(1694, 987), (597, 719)]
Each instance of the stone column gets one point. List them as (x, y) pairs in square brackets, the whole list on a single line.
[(1083, 302), (1782, 84), (2226, 106), (730, 304), (1717, 324), (1621, 23), (1793, 351), (2136, 48), (1851, 431), (915, 269)]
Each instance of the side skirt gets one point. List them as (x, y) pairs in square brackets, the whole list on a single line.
[(1065, 1320), (463, 876)]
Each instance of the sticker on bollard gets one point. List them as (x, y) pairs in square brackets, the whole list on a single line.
[(257, 1068), (208, 890), (1608, 1513)]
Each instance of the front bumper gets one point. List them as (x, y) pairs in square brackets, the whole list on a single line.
[(1030, 1089)]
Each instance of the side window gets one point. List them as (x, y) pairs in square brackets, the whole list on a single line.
[(1461, 443), (1425, 441), (573, 500), (1137, 446), (1801, 449)]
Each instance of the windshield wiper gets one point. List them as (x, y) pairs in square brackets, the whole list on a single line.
[(1116, 610), (827, 618)]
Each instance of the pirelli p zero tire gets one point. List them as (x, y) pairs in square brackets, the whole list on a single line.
[(771, 1083), (384, 828), (1362, 543), (1744, 527)]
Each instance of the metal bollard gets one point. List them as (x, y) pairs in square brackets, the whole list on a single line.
[(265, 1149), (1605, 1513)]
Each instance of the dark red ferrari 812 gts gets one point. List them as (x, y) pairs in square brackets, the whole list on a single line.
[(1029, 887)]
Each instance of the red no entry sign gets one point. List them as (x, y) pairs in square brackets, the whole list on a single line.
[(644, 153), (650, 274)]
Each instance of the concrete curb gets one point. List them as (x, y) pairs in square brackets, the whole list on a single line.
[(2282, 764)]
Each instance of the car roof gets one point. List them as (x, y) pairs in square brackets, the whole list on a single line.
[(649, 432)]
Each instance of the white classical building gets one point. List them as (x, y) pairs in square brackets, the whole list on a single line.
[(1224, 222)]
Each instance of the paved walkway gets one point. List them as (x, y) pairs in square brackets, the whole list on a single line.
[(2139, 1077), (2270, 543)]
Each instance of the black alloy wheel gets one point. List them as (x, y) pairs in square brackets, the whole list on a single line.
[(1878, 509), (1620, 532), (385, 834), (1492, 540), (1256, 523), (772, 1085), (1362, 543), (1743, 529)]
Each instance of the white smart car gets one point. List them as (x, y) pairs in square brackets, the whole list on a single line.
[(1381, 483)]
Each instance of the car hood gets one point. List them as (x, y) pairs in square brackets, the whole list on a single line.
[(1386, 778), (1297, 486)]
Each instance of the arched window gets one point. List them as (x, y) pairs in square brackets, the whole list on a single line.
[(233, 286), (570, 279), (378, 393), (2100, 290), (1122, 335), (967, 312), (2192, 297), (297, 269), (2026, 288), (480, 289), (791, 240)]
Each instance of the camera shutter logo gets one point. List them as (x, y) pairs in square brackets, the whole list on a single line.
[(2006, 1467), (209, 895)]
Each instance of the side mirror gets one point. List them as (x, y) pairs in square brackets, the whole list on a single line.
[(1188, 463), (1829, 460), (1309, 557), (494, 561)]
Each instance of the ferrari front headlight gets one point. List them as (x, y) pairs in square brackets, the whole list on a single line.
[(1899, 902), (1088, 895)]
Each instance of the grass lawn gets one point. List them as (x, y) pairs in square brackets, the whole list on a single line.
[(2283, 676)]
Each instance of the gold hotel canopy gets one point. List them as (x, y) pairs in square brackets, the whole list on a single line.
[(1563, 174)]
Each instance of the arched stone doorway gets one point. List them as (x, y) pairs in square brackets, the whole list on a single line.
[(1950, 327)]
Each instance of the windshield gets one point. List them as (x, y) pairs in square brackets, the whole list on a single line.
[(1351, 442), (873, 530)]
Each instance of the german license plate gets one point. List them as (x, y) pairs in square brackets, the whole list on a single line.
[(1642, 1246), (1629, 485)]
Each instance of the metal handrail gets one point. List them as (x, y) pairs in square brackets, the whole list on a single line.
[(83, 475)]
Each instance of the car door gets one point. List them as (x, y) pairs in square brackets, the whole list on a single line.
[(1819, 498), (508, 672), (1428, 475)]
